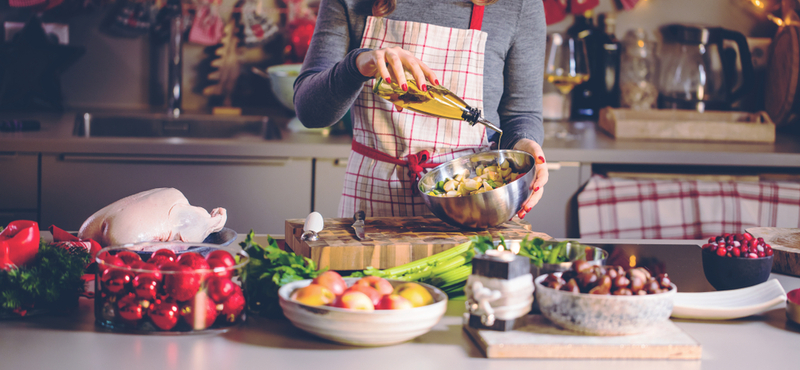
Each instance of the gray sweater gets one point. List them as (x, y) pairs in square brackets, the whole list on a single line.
[(513, 63)]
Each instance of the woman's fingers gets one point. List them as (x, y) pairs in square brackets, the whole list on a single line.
[(530, 203), (395, 62), (429, 74)]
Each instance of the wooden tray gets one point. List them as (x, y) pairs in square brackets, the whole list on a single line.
[(539, 338), (393, 241), (687, 125), (785, 243)]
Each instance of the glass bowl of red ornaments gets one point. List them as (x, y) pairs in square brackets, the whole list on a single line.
[(734, 261), (169, 288)]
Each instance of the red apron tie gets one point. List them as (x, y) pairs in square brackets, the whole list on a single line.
[(416, 163)]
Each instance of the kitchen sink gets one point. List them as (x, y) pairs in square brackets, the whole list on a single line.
[(162, 125)]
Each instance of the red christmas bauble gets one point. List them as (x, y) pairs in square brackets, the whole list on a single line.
[(219, 288), (128, 257), (221, 262), (129, 308), (196, 262), (180, 282), (146, 287), (164, 314), (232, 306), (115, 280), (160, 260), (108, 262), (166, 253), (200, 312), (148, 269)]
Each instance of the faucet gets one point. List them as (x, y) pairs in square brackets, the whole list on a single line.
[(175, 66)]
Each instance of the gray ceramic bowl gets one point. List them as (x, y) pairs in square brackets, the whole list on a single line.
[(484, 210), (603, 314)]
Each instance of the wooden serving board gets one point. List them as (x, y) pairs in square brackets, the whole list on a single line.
[(537, 337), (785, 243), (392, 241)]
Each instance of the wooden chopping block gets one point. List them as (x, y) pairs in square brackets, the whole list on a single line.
[(785, 243), (392, 241)]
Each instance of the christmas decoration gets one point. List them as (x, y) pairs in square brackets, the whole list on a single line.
[(164, 314)]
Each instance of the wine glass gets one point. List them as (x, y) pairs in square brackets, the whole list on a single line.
[(565, 65)]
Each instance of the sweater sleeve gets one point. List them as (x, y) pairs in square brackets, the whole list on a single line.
[(329, 81), (520, 107)]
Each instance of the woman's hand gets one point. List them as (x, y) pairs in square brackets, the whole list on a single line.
[(391, 64), (537, 186)]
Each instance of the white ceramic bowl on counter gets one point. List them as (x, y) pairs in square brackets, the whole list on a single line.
[(603, 314), (362, 328)]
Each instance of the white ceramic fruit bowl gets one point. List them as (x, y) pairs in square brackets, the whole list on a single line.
[(362, 328)]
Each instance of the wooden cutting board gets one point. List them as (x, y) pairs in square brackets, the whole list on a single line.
[(539, 338), (785, 243), (392, 241)]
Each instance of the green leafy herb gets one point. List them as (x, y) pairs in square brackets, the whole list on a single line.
[(51, 281), (269, 269), (540, 252)]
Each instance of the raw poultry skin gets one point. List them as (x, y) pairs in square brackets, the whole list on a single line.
[(162, 214)]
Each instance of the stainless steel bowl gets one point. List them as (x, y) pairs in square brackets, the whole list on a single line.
[(484, 210)]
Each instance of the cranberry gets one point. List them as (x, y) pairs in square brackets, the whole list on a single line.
[(747, 236), (712, 248), (721, 252), (769, 252), (762, 254), (736, 252), (752, 255), (712, 240)]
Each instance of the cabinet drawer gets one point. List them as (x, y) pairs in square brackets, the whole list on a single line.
[(259, 193), (552, 214), (19, 186)]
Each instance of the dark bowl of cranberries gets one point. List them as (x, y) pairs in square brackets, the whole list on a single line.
[(734, 261), (195, 291)]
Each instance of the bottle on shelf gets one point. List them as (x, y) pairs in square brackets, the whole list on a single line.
[(584, 101), (607, 68), (638, 71), (437, 101)]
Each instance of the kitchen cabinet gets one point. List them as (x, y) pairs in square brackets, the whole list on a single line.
[(328, 180), (19, 186), (555, 213), (259, 193)]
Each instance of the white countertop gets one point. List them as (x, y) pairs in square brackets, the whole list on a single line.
[(764, 341)]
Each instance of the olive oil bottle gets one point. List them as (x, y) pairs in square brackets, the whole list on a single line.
[(437, 102)]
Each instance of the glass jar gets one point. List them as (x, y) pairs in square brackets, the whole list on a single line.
[(169, 288), (638, 88)]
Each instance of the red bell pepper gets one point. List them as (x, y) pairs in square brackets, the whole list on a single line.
[(19, 243)]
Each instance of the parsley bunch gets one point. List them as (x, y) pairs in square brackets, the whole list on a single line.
[(50, 282), (269, 269)]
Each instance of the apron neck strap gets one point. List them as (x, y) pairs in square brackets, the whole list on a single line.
[(476, 20)]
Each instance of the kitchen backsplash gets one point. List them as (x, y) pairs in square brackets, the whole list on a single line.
[(130, 74)]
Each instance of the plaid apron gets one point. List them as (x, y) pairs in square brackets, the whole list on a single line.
[(386, 142)]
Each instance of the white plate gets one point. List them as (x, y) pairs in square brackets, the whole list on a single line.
[(729, 304)]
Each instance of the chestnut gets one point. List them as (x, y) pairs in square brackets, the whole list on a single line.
[(586, 280), (664, 281), (621, 282), (571, 286), (580, 266), (637, 283), (622, 291)]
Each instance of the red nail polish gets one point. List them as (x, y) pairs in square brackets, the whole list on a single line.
[(528, 209), (404, 87), (436, 82), (389, 80), (541, 159), (424, 88), (523, 214), (536, 189)]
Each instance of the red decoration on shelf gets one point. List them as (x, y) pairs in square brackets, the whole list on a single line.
[(19, 243), (582, 6)]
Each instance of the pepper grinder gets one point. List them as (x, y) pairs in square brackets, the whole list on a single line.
[(499, 291)]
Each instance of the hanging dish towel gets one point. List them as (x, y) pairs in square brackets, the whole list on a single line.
[(664, 209)]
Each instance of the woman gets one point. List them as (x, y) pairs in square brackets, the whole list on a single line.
[(492, 56)]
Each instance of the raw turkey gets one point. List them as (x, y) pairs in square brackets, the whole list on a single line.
[(162, 214)]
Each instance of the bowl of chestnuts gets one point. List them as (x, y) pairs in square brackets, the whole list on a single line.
[(605, 300)]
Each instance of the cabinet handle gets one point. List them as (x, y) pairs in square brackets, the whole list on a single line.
[(176, 160), (555, 166), (340, 162), (8, 155)]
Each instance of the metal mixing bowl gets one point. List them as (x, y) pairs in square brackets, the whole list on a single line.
[(484, 210)]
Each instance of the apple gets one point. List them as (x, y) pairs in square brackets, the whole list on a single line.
[(354, 300), (414, 293), (313, 295), (368, 290), (393, 302), (331, 280), (380, 284)]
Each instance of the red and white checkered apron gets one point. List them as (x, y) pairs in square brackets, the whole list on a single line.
[(380, 187), (664, 209)]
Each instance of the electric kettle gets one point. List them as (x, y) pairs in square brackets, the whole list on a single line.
[(700, 70)]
